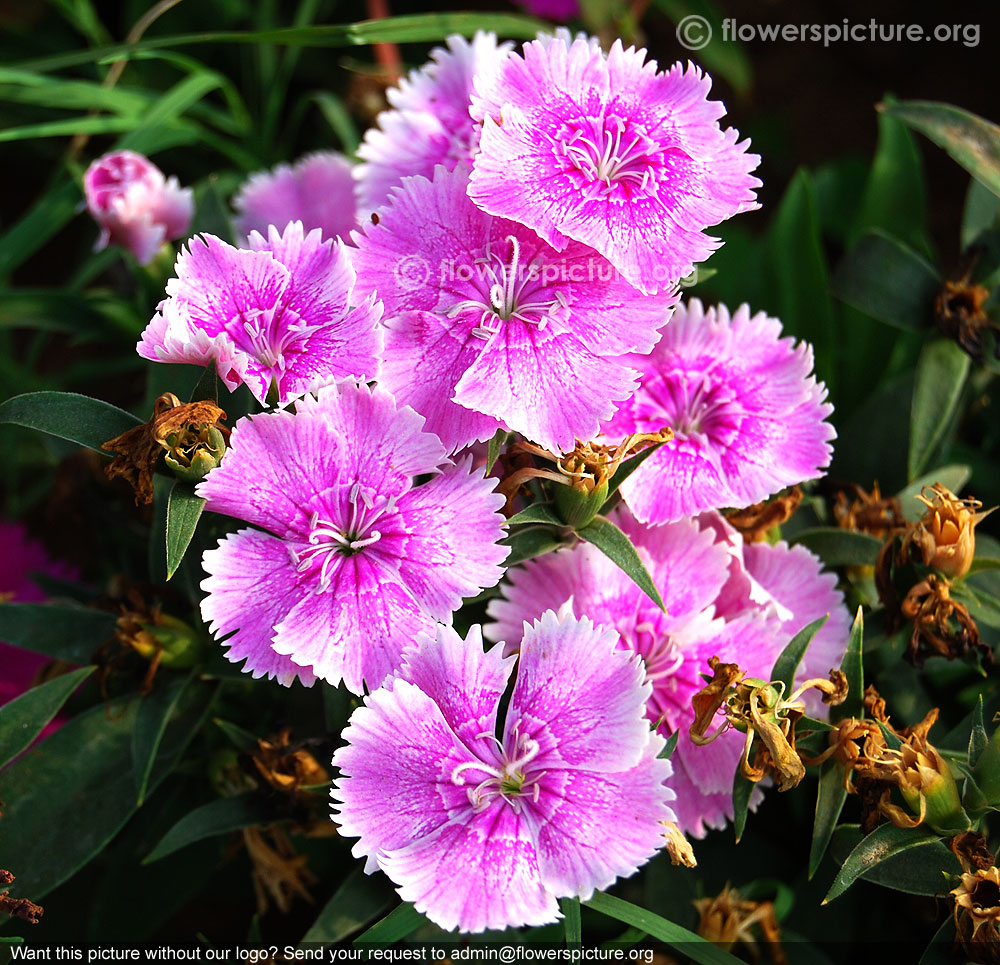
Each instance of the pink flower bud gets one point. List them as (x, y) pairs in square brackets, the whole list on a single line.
[(136, 207)]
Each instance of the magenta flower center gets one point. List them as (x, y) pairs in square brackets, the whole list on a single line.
[(659, 651), (269, 334), (328, 540), (697, 403), (507, 288), (511, 779), (612, 151)]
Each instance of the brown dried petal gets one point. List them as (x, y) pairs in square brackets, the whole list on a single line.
[(711, 697)]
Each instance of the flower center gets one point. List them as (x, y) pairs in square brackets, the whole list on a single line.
[(614, 152), (508, 290), (327, 540), (269, 333), (511, 781), (659, 651), (697, 403)]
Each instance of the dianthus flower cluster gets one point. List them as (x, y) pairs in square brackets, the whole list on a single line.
[(507, 260)]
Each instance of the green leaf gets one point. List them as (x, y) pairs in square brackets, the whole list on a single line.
[(830, 797), (916, 870), (46, 217), (67, 797), (840, 547), (211, 214), (530, 542), (980, 213), (789, 659), (941, 949), (628, 467), (692, 945), (853, 668), (742, 789), (67, 415), (978, 738), (242, 739), (155, 711), (403, 920), (954, 477), (24, 718), (970, 140), (183, 512), (615, 545), (217, 817), (358, 900), (414, 28), (340, 122), (797, 271), (888, 281), (984, 564), (493, 451), (65, 632), (670, 746), (883, 843), (570, 908), (536, 513), (894, 197), (941, 373)]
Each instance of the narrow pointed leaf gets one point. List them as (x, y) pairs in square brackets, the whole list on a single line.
[(742, 789), (183, 512), (70, 633), (853, 705), (151, 722), (493, 450), (692, 945), (570, 908), (24, 718), (536, 513), (840, 547), (830, 797), (789, 659), (887, 281), (412, 28), (360, 899), (531, 542), (217, 817), (403, 920), (978, 738), (884, 842), (670, 746), (78, 418), (972, 141), (941, 374), (614, 544)]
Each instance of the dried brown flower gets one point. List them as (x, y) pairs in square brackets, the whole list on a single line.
[(189, 434), (287, 767), (727, 920), (756, 521), (18, 907), (977, 914), (958, 310), (859, 511)]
